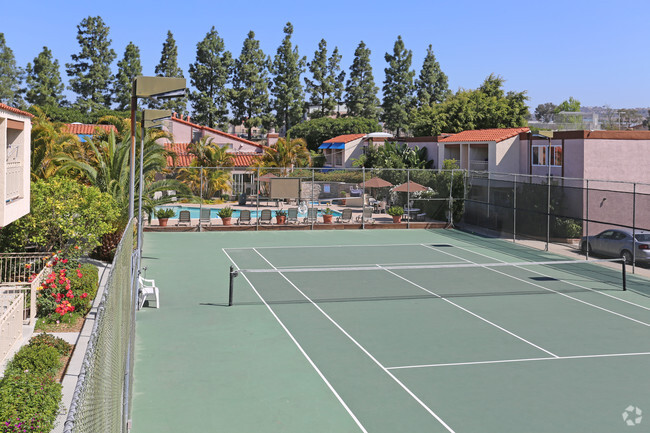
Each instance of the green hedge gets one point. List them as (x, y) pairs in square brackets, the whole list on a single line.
[(29, 396)]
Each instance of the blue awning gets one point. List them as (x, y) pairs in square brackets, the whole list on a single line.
[(324, 146), (337, 146)]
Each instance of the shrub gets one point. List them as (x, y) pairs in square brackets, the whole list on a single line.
[(395, 211), (225, 212), (165, 213), (28, 402), (37, 359), (62, 347)]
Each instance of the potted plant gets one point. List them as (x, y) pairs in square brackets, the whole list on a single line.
[(281, 216), (343, 196), (327, 215), (163, 215), (396, 212), (225, 213)]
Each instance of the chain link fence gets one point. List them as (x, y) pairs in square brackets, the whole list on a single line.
[(101, 400)]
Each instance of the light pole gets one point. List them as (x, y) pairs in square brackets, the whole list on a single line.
[(149, 87)]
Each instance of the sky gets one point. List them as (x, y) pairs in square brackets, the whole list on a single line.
[(595, 51)]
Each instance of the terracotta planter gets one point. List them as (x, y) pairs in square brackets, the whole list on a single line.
[(397, 219), (226, 221), (162, 222), (327, 219), (281, 219)]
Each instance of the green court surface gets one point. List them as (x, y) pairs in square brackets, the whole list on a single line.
[(393, 339)]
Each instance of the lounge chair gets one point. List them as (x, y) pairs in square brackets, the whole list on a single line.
[(244, 217), (204, 217), (148, 291), (292, 215), (346, 216), (184, 218), (265, 217), (366, 216), (381, 207), (312, 216)]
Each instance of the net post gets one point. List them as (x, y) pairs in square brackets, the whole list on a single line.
[(623, 271), (232, 284)]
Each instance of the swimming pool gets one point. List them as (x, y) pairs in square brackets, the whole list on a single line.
[(195, 212)]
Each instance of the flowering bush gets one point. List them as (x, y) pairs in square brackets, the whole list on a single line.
[(66, 291)]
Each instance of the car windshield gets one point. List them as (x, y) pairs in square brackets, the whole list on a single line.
[(643, 237)]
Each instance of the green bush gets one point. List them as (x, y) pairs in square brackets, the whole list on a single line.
[(28, 402), (62, 347), (37, 359), (165, 213)]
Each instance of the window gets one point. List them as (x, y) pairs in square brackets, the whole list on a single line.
[(196, 135), (539, 155), (338, 158)]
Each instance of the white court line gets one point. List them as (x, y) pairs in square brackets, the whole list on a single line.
[(473, 314), (506, 361), (363, 349), (324, 246), (367, 264), (322, 376), (567, 282), (537, 285)]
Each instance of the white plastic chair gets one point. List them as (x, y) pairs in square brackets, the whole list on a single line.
[(148, 291)]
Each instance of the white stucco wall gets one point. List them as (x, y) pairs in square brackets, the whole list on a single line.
[(20, 148)]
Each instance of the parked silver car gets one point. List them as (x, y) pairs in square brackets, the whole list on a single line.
[(618, 243)]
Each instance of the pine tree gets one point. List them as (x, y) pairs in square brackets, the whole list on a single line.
[(90, 70), (44, 86), (209, 75), (320, 88), (249, 97), (361, 93), (287, 90), (337, 76), (398, 87), (11, 76), (128, 68), (431, 86), (168, 67)]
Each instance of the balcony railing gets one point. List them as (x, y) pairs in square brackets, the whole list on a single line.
[(478, 165), (22, 273), (11, 322)]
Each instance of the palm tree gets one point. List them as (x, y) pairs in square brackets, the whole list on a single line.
[(212, 157), (48, 140), (286, 155)]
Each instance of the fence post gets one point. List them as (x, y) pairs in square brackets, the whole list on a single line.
[(201, 201), (363, 198), (450, 219), (633, 228), (587, 222), (313, 174), (408, 198), (514, 210), (257, 201), (548, 205)]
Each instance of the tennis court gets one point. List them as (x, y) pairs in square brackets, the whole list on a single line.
[(385, 331)]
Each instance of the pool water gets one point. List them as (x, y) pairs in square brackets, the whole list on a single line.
[(195, 212)]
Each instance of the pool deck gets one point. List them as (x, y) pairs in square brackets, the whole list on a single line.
[(381, 221)]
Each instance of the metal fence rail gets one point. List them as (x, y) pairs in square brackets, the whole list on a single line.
[(101, 397)]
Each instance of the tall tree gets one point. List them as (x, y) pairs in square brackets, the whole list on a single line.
[(168, 67), (249, 96), (337, 77), (545, 112), (44, 86), (128, 68), (321, 88), (432, 85), (90, 70), (287, 90), (11, 76), (360, 90), (398, 87), (209, 75)]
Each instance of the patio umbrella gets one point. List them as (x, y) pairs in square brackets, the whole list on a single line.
[(410, 187), (377, 182)]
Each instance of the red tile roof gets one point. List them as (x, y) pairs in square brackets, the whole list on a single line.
[(496, 135), (14, 110), (345, 138), (215, 131), (184, 158), (86, 129)]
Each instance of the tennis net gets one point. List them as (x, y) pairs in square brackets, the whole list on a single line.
[(413, 281)]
